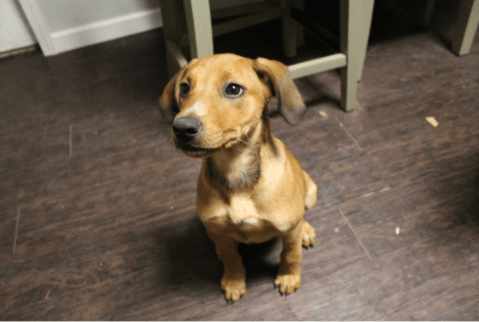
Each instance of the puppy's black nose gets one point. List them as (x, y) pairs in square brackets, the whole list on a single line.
[(187, 128)]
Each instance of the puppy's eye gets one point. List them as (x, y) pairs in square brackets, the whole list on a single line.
[(184, 89), (234, 90)]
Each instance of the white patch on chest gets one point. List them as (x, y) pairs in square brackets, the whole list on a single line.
[(246, 224), (249, 221), (242, 210)]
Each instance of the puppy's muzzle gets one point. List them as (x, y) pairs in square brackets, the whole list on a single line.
[(187, 129)]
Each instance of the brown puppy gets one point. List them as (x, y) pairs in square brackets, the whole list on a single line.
[(250, 187)]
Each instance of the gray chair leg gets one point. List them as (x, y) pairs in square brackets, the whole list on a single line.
[(365, 25), (299, 29), (169, 13), (350, 20), (200, 32), (467, 21), (428, 12), (288, 28)]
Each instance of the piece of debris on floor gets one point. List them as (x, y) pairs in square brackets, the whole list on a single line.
[(367, 194), (323, 114), (432, 121), (397, 230)]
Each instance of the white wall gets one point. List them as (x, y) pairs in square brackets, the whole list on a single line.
[(63, 25), (69, 14), (14, 30)]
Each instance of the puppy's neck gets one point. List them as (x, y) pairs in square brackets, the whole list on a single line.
[(239, 167)]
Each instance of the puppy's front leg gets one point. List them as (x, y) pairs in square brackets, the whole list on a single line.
[(289, 276), (233, 282)]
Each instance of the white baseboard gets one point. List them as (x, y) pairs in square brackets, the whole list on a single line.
[(39, 26), (105, 30)]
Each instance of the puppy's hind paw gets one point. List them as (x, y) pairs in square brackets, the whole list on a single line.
[(309, 235)]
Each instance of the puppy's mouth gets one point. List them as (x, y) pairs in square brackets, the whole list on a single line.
[(197, 150)]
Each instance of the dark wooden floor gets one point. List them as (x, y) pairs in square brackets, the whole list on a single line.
[(97, 208)]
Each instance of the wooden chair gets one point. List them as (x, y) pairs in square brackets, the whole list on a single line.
[(466, 24), (355, 23)]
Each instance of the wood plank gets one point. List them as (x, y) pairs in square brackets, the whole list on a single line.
[(111, 232)]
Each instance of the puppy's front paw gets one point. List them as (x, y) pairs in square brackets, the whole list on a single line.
[(234, 286), (288, 283)]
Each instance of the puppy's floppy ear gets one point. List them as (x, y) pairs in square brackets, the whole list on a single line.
[(168, 104), (276, 74)]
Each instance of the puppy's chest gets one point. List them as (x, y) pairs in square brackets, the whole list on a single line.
[(245, 222), (242, 209)]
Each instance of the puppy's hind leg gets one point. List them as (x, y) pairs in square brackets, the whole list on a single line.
[(311, 192), (308, 232)]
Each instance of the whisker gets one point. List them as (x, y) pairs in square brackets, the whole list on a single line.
[(249, 144), (243, 142), (249, 140)]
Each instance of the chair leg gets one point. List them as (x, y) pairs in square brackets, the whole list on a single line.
[(350, 20), (200, 31), (365, 25), (288, 28), (170, 32), (299, 29), (467, 21), (428, 12)]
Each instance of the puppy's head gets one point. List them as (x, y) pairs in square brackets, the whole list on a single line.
[(216, 101)]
